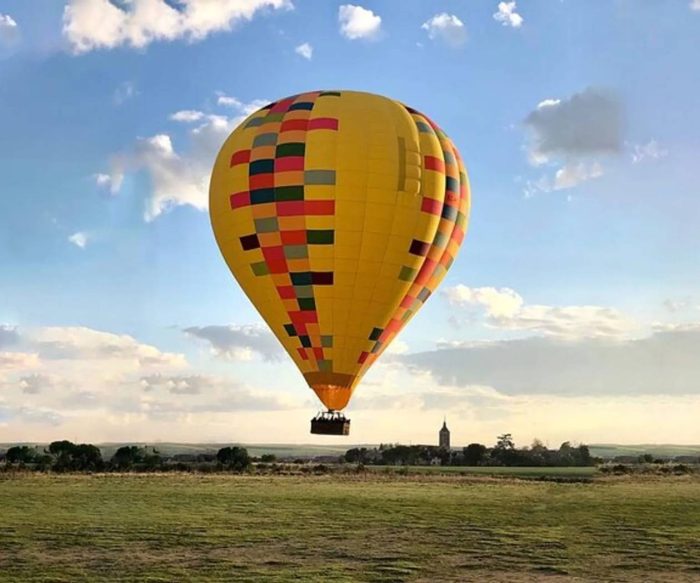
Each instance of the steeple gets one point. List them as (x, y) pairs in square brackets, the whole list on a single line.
[(444, 435)]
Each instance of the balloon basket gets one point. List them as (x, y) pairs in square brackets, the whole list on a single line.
[(330, 423)]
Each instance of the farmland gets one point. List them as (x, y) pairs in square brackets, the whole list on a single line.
[(376, 526)]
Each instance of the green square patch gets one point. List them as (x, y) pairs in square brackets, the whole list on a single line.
[(320, 236), (327, 341), (304, 291), (376, 333), (296, 251), (259, 268), (268, 225), (307, 304), (407, 273)]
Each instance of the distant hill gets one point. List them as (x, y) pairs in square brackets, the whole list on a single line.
[(604, 450)]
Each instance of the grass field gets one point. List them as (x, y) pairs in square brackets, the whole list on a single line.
[(346, 528), (568, 472)]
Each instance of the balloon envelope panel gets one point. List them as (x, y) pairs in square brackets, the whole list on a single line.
[(339, 213)]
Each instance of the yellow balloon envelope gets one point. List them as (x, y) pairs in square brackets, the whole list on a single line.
[(339, 213)]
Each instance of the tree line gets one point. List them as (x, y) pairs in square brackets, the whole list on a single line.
[(66, 456), (503, 453)]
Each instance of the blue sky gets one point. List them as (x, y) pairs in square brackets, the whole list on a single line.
[(578, 123)]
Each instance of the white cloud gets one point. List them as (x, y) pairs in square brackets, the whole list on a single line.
[(112, 182), (503, 302), (18, 360), (663, 363), (187, 116), (591, 389), (97, 24), (649, 151), (358, 22), (305, 50), (242, 108), (79, 239), (446, 27), (8, 28), (572, 175), (694, 5), (124, 92), (239, 342), (179, 177), (102, 179), (572, 133), (505, 309), (397, 347), (80, 381), (507, 15)]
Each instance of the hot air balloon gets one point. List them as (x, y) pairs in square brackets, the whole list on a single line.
[(338, 213)]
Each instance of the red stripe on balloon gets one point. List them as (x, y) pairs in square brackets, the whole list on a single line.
[(433, 163), (323, 123), (240, 199)]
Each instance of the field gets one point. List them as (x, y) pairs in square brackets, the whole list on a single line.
[(365, 527)]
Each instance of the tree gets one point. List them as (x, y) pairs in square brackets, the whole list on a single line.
[(505, 441), (126, 457), (21, 454), (474, 454), (268, 458), (71, 457), (235, 458)]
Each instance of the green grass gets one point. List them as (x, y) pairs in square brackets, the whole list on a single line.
[(371, 527), (524, 472)]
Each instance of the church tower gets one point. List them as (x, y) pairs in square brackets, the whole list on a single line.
[(444, 435)]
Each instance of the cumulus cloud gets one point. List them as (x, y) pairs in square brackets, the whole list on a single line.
[(79, 239), (187, 116), (357, 22), (571, 175), (78, 342), (652, 150), (99, 385), (239, 342), (104, 24), (179, 177), (177, 385), (305, 50), (587, 123), (213, 394), (17, 361), (694, 5), (664, 363), (9, 31), (507, 15), (573, 133), (111, 182), (505, 309), (447, 28)]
